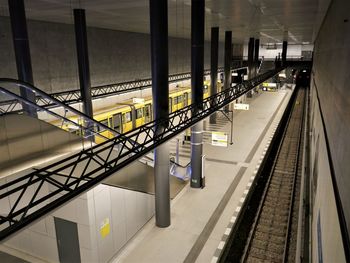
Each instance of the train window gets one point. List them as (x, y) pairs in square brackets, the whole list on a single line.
[(127, 117), (178, 99), (104, 122), (148, 110), (139, 113), (116, 121)]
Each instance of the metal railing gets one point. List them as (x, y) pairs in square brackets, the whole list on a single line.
[(41, 191), (58, 114)]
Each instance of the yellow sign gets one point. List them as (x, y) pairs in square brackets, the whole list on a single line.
[(266, 84), (219, 139), (105, 228)]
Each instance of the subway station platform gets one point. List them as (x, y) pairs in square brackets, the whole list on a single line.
[(201, 219)]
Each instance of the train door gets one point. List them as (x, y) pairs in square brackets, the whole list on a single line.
[(127, 121), (140, 120), (117, 121), (133, 116), (148, 113), (185, 102), (170, 105)]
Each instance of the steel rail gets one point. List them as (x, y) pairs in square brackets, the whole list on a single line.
[(93, 165), (264, 195), (265, 192), (291, 205)]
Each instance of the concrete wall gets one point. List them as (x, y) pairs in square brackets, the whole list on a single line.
[(332, 78), (26, 142), (326, 234), (126, 211), (115, 56), (293, 51)]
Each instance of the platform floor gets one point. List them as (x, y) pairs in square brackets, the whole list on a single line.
[(201, 219)]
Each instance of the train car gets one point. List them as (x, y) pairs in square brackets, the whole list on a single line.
[(269, 86), (302, 78), (130, 114)]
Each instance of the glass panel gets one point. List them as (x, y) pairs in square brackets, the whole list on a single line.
[(139, 113), (116, 121), (127, 117)]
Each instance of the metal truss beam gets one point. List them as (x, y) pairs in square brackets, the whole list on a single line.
[(40, 192), (73, 96)]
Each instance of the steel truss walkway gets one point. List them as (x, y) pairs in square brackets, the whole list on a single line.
[(73, 96), (78, 173)]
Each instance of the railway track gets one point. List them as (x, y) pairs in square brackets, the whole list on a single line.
[(272, 237)]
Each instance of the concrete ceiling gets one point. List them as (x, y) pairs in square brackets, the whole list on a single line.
[(272, 21)]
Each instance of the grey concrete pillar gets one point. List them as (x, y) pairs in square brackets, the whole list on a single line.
[(22, 51), (83, 60), (160, 92), (214, 66), (197, 74), (196, 155)]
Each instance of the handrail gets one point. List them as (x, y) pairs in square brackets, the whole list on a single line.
[(88, 125), (182, 166)]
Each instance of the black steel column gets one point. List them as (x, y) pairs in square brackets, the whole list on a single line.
[(160, 93), (250, 56), (284, 53), (256, 54), (228, 59), (83, 60), (250, 61), (214, 55), (197, 74), (22, 50)]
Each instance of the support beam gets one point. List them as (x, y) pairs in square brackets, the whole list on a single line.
[(250, 62), (227, 61), (197, 74), (22, 51), (83, 60), (160, 93), (214, 66), (256, 54), (284, 53)]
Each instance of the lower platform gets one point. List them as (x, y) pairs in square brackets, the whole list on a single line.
[(140, 177), (201, 219)]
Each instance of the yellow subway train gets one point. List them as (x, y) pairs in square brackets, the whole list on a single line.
[(130, 114)]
